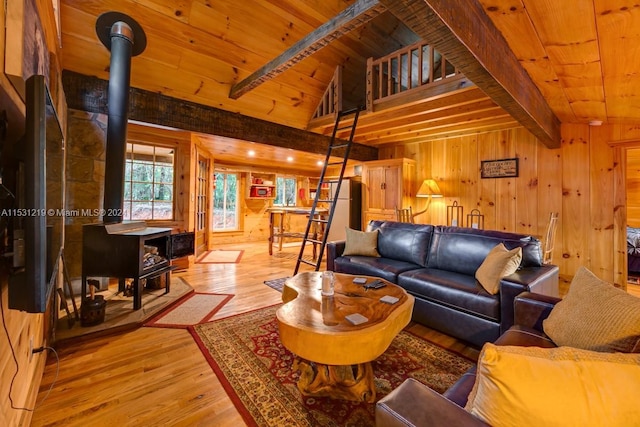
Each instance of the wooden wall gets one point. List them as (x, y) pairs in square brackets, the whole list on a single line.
[(584, 181), (20, 374)]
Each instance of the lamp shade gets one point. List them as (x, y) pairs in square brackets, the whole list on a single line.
[(429, 188)]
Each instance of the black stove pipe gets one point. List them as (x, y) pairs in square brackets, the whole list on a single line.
[(124, 38)]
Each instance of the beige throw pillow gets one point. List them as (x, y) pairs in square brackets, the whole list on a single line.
[(564, 386), (594, 315), (364, 243), (499, 263)]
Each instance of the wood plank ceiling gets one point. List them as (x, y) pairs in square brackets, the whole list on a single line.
[(197, 50)]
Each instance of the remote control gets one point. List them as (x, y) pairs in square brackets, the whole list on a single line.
[(376, 284), (360, 280)]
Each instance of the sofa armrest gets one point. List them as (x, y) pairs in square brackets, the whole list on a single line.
[(531, 309), (541, 280), (334, 250), (414, 404)]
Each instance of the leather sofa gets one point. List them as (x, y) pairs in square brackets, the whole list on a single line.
[(414, 404), (437, 265)]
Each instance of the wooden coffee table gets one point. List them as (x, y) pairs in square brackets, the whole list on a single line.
[(333, 355)]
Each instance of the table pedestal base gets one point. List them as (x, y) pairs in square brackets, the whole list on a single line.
[(346, 382)]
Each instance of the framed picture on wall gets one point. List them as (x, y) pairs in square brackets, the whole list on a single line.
[(502, 168)]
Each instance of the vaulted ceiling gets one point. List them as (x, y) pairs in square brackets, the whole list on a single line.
[(579, 58)]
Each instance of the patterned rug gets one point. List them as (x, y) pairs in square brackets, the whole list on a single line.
[(220, 256), (255, 369), (192, 310), (276, 284)]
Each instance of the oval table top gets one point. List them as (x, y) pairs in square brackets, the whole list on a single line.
[(314, 326)]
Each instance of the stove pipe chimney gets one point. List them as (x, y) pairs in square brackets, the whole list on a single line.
[(125, 38)]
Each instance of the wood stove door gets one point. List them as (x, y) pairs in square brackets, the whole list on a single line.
[(202, 220)]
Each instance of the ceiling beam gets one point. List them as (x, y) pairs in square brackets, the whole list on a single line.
[(466, 36), (354, 16), (89, 94)]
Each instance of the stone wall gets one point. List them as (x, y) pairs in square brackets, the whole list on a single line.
[(85, 151)]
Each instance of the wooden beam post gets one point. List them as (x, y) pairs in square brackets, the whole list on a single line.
[(354, 16), (90, 94), (465, 35)]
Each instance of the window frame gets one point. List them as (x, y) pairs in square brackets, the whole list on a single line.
[(128, 180), (238, 225), (286, 178)]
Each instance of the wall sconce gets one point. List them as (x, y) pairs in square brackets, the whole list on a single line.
[(429, 189)]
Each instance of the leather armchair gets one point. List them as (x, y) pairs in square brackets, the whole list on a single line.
[(414, 404)]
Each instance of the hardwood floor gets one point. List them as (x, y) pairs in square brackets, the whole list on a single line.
[(158, 376)]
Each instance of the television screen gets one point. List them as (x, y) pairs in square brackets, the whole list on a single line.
[(38, 217)]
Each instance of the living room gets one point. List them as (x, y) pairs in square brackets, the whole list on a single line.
[(582, 177)]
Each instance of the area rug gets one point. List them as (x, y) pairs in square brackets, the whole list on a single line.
[(192, 310), (276, 284), (256, 371), (220, 256)]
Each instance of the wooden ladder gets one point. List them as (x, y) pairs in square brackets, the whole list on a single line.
[(337, 148)]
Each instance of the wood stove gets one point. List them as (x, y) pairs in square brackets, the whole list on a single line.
[(126, 250)]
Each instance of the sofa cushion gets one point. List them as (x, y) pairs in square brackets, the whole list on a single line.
[(499, 262), (463, 250), (363, 243), (385, 268), (594, 315), (403, 241), (455, 290), (530, 386)]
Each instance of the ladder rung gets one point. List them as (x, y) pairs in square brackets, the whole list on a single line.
[(314, 240), (345, 127), (326, 200), (334, 163), (330, 181), (320, 220), (306, 262), (350, 111), (333, 147)]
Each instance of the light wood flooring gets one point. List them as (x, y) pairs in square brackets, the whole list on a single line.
[(158, 376)]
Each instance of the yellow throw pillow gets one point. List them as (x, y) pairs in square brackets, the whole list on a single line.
[(594, 315), (499, 263), (564, 386), (364, 243)]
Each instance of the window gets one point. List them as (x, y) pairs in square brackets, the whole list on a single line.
[(225, 201), (148, 182), (285, 191)]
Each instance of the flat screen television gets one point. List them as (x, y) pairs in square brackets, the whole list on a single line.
[(38, 215)]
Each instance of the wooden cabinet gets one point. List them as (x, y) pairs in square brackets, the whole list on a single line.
[(261, 185), (387, 184)]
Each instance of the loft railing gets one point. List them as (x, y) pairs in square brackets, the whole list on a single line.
[(418, 66), (404, 70), (331, 101)]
